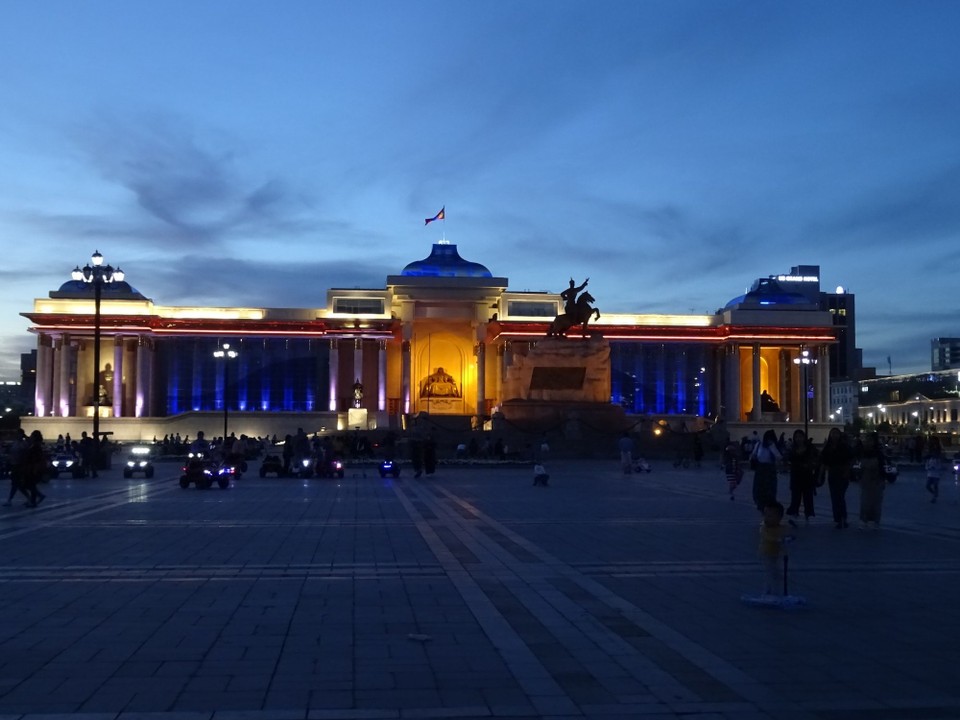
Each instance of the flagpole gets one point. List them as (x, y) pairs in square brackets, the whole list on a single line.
[(443, 225)]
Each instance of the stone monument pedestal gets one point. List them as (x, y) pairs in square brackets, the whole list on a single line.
[(562, 383)]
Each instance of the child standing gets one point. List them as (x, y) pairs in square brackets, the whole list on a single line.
[(773, 536), (540, 476), (731, 467)]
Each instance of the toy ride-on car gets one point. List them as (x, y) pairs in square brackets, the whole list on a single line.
[(303, 466), (140, 460), (201, 472), (65, 463), (389, 467), (271, 464), (332, 468)]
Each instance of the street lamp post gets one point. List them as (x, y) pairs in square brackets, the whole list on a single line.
[(224, 352), (805, 360), (97, 274)]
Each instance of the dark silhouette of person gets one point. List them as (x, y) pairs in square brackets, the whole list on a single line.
[(570, 296), (430, 455), (767, 403), (416, 456)]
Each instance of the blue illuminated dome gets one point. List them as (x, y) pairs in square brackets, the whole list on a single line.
[(445, 261), (79, 290), (768, 292)]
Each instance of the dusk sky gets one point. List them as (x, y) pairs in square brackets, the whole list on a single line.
[(238, 152)]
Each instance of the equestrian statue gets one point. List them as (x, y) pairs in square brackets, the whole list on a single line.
[(577, 310)]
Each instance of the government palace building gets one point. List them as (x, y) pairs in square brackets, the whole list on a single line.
[(440, 337)]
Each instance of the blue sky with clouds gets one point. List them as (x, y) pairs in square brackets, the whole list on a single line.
[(244, 152)]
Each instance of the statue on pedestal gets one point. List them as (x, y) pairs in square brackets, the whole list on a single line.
[(577, 310), (439, 384), (105, 382)]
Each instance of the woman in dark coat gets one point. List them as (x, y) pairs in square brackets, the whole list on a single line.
[(873, 481), (836, 460), (804, 466), (33, 468), (763, 460)]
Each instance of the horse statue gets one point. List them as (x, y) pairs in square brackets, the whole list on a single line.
[(581, 314)]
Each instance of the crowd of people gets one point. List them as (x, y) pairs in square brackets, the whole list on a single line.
[(841, 460)]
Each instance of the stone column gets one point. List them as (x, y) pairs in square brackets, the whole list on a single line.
[(499, 372), (732, 384), (43, 399), (142, 402), (381, 375), (715, 389), (783, 390), (358, 362), (405, 369), (61, 378), (481, 352), (151, 350), (117, 388), (506, 358), (334, 372), (755, 372), (68, 400), (823, 391)]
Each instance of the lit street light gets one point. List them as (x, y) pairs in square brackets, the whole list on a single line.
[(805, 360), (99, 275), (225, 353)]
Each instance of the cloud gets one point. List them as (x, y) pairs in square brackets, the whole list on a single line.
[(187, 188), (916, 205), (218, 281)]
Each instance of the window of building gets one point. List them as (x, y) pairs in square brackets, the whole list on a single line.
[(531, 308), (358, 306)]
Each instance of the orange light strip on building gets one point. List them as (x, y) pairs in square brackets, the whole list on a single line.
[(119, 329), (784, 336)]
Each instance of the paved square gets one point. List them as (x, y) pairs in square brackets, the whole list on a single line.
[(469, 594)]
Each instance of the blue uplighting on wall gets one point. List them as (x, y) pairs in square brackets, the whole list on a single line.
[(244, 368), (174, 398), (680, 385), (660, 404), (662, 379)]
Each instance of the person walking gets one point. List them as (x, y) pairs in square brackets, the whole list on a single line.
[(34, 465), (763, 462), (430, 455), (836, 459), (88, 452), (804, 465), (416, 456), (732, 470), (625, 445), (18, 450), (934, 467), (873, 481)]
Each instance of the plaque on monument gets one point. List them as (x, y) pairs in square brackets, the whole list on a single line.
[(557, 378)]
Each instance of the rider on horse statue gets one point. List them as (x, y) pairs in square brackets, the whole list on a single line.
[(577, 310), (570, 296)]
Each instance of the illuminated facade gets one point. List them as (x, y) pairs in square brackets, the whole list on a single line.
[(436, 338)]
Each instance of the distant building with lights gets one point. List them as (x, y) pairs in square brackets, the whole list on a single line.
[(944, 354), (921, 402), (437, 338)]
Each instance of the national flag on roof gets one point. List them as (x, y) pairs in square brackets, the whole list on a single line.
[(438, 216)]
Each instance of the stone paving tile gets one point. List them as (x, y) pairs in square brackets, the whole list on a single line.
[(606, 597)]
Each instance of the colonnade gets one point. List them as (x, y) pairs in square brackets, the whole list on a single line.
[(65, 370), (786, 380)]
